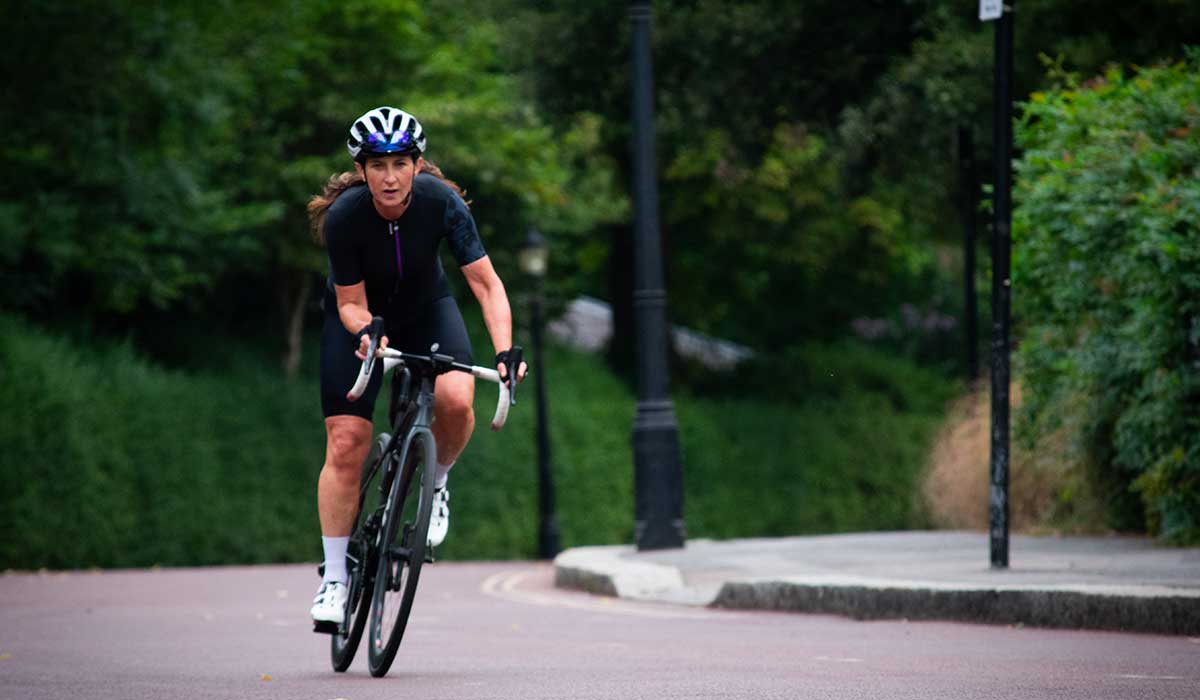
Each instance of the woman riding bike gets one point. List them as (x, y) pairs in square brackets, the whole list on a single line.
[(382, 226)]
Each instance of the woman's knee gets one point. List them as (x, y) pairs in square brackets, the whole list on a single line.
[(347, 441), (456, 405)]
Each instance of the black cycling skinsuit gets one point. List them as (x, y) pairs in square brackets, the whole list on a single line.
[(405, 283)]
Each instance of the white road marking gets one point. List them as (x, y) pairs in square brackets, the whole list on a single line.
[(1140, 677), (504, 585)]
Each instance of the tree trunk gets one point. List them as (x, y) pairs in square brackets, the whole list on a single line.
[(294, 292)]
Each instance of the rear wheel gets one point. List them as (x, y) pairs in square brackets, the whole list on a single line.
[(402, 546), (361, 559)]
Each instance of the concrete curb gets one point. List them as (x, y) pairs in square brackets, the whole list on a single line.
[(1164, 613), (616, 571), (600, 570)]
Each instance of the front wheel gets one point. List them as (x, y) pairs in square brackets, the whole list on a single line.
[(402, 545), (361, 558)]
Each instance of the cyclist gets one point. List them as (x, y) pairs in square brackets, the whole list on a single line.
[(382, 226)]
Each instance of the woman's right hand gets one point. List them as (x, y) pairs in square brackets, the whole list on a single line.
[(364, 341)]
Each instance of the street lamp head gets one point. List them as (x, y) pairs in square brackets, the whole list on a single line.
[(533, 254)]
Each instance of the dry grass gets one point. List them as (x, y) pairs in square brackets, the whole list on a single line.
[(1048, 486)]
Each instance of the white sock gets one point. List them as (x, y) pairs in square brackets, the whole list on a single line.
[(442, 475), (335, 558)]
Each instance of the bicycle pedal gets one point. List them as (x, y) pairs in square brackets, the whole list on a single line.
[(324, 627)]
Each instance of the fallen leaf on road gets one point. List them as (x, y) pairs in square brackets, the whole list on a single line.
[(5, 657), (265, 677)]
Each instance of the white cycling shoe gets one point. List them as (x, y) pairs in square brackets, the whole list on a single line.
[(439, 519), (329, 606)]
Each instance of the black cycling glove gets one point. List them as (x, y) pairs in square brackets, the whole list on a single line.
[(512, 359), (512, 368)]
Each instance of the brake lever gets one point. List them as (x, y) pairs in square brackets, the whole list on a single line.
[(515, 357), (375, 335)]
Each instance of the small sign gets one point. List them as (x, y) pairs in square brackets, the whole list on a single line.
[(990, 9)]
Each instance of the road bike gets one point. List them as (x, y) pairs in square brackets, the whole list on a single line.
[(388, 543)]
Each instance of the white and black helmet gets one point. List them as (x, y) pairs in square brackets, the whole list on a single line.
[(385, 130)]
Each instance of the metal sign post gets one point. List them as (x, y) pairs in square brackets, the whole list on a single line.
[(1001, 279)]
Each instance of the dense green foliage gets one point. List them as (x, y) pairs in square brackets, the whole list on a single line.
[(1107, 277), (806, 153), (113, 461), (899, 144), (178, 156), (807, 150), (754, 205)]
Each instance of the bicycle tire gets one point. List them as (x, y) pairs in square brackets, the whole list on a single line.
[(402, 545), (360, 559)]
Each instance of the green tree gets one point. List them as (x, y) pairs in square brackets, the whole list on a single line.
[(898, 144), (116, 130), (747, 94), (176, 160)]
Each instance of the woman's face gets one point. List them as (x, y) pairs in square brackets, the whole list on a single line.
[(390, 180)]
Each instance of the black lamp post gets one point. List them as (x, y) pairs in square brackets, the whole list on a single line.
[(532, 258), (657, 474)]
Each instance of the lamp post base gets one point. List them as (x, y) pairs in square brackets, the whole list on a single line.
[(658, 486), (548, 542)]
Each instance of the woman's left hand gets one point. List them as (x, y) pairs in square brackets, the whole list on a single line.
[(507, 357)]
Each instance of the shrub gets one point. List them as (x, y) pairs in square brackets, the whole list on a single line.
[(1106, 275), (114, 461)]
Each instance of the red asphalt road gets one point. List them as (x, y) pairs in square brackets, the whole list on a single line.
[(501, 630)]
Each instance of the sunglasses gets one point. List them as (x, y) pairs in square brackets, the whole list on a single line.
[(379, 142)]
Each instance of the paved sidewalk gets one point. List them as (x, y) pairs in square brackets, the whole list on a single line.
[(1118, 583)]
